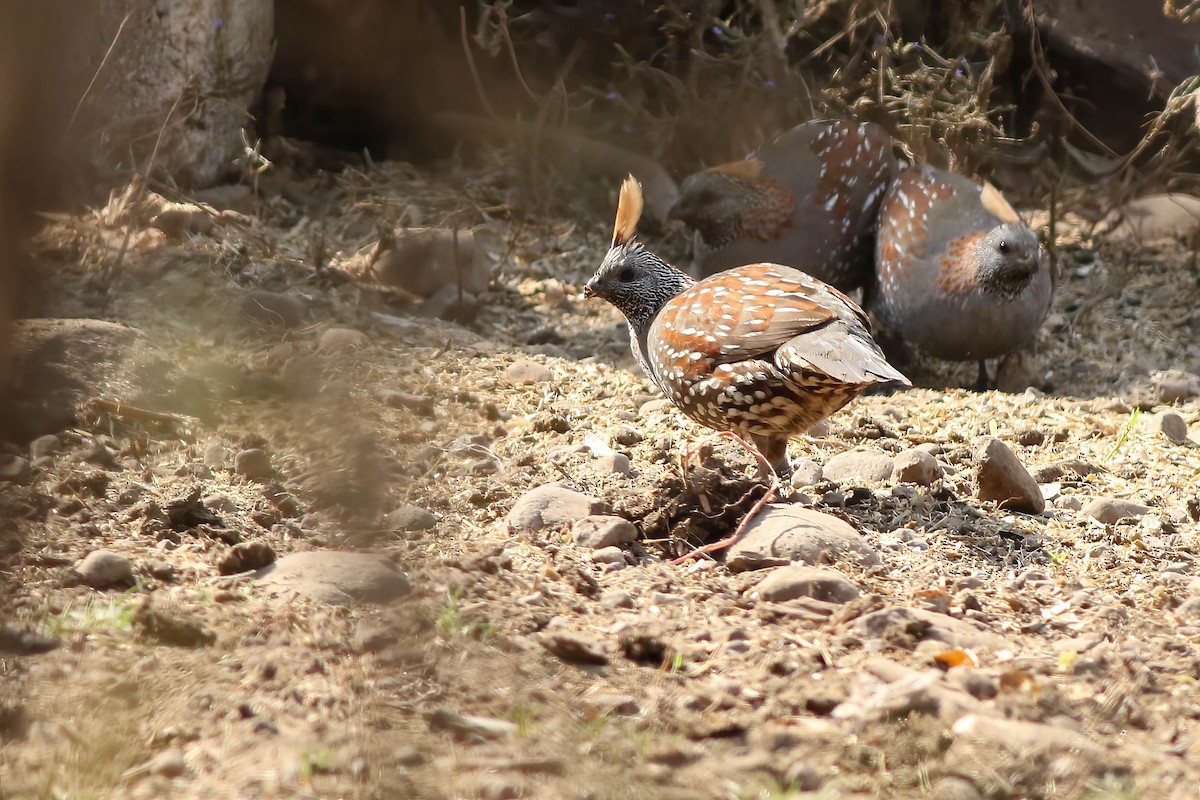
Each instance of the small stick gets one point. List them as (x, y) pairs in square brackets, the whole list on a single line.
[(99, 404)]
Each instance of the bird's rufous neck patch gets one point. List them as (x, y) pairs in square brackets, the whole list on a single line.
[(629, 211), (996, 205)]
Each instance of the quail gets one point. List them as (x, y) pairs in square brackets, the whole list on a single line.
[(959, 275), (808, 199), (763, 351)]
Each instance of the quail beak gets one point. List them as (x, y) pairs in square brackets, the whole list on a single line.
[(589, 289)]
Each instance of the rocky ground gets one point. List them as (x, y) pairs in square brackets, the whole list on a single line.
[(271, 530)]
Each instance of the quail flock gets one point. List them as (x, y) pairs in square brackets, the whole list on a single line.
[(810, 199), (946, 265), (763, 350), (958, 273)]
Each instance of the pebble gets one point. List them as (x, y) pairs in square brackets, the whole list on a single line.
[(627, 437), (781, 534), (613, 464), (15, 469), (103, 568), (374, 636), (528, 372), (254, 464), (574, 646), (1175, 385), (1068, 501), (859, 465), (423, 261), (617, 599), (790, 582), (245, 557), (549, 506), (43, 446), (1004, 480), (952, 787), (1189, 609), (216, 455), (169, 764), (612, 703), (806, 472), (335, 577), (928, 625), (411, 518), (1170, 425), (915, 466), (599, 531), (1110, 510), (608, 555), (272, 309), (1029, 740), (469, 725), (335, 340)]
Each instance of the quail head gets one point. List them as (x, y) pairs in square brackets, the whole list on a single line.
[(763, 350), (959, 274), (808, 199)]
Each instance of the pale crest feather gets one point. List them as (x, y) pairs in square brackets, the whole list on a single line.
[(995, 203), (629, 211)]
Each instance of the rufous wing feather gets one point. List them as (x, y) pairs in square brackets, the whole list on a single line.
[(629, 211)]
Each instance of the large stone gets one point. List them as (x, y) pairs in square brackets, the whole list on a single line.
[(101, 569), (1004, 480), (58, 363), (916, 466), (1171, 425), (335, 577), (423, 260), (1110, 510), (781, 534), (601, 530), (790, 582), (920, 624), (872, 466), (550, 506), (203, 62)]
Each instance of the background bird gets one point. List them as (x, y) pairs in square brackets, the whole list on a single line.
[(809, 198), (764, 351), (959, 274)]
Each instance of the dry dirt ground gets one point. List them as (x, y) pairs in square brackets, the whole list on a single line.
[(1049, 656)]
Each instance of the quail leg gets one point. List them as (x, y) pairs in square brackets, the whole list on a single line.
[(774, 450), (983, 382)]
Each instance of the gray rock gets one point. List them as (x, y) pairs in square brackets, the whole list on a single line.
[(921, 624), (57, 363), (449, 303), (101, 569), (15, 469), (915, 466), (169, 764), (43, 446), (806, 472), (599, 530), (1004, 479), (338, 340), (1110, 510), (788, 583), (952, 787), (272, 309), (216, 455), (1170, 425), (550, 506), (608, 555), (781, 534), (411, 518), (1069, 502), (335, 577), (574, 646), (1189, 609), (254, 464), (872, 466), (528, 372), (1028, 739), (613, 464), (422, 261), (1174, 386), (246, 556)]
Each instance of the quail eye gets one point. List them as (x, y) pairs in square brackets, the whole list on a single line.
[(1003, 248), (625, 275)]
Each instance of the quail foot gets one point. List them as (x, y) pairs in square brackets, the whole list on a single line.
[(763, 351), (958, 274)]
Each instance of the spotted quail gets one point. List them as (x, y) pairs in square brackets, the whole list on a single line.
[(764, 351), (808, 199), (959, 274)]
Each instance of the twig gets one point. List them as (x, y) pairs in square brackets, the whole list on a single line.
[(97, 405), (95, 75), (466, 46)]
